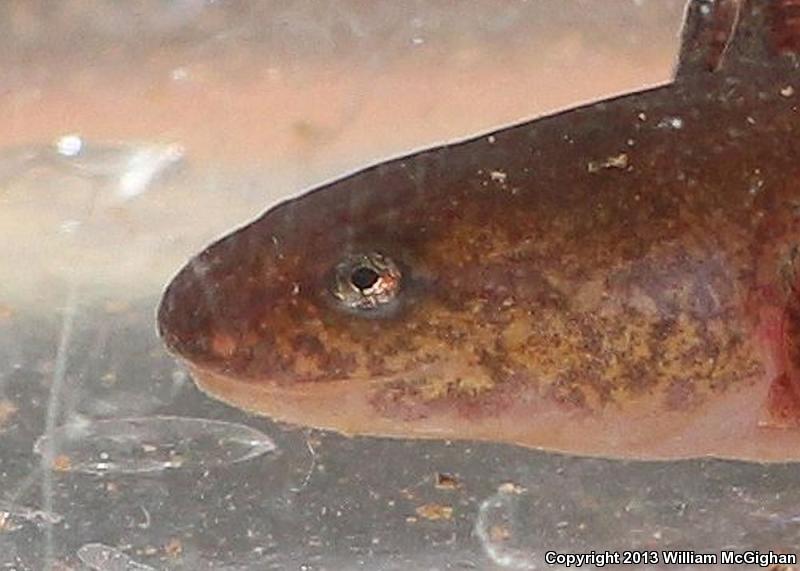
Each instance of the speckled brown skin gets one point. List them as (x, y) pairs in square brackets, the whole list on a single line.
[(619, 280)]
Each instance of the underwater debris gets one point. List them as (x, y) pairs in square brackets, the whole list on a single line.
[(12, 516), (435, 512), (7, 410), (151, 444), (445, 481), (104, 558), (619, 161)]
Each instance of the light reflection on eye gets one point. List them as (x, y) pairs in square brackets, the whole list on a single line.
[(366, 281)]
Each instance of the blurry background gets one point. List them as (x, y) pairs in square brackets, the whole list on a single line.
[(336, 82), (262, 99), (133, 133)]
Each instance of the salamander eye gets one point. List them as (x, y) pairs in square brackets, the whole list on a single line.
[(366, 281)]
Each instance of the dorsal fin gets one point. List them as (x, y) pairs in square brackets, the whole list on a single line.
[(724, 35)]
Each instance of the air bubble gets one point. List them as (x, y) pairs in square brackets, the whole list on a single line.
[(498, 529)]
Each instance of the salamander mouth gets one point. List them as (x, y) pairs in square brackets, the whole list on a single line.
[(347, 406), (353, 408), (231, 381)]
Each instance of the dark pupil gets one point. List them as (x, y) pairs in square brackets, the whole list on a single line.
[(364, 278)]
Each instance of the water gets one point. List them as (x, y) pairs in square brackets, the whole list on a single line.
[(148, 444), (133, 134)]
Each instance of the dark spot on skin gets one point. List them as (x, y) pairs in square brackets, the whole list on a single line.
[(340, 363), (639, 377), (566, 392), (267, 357), (332, 363), (492, 363), (660, 332), (308, 345), (377, 366), (591, 338)]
